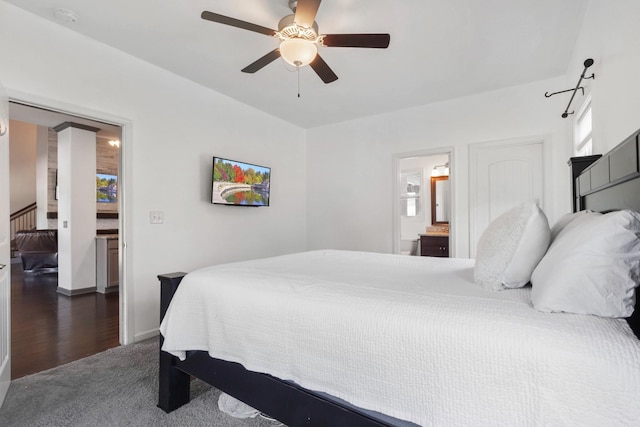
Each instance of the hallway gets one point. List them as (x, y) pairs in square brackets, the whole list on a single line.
[(49, 329)]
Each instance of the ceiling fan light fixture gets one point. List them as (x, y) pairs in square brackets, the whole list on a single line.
[(298, 52)]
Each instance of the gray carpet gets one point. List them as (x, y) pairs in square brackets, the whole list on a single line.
[(117, 387)]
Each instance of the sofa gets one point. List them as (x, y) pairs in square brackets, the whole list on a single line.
[(38, 250)]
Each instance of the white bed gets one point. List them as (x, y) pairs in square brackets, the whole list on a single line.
[(411, 337)]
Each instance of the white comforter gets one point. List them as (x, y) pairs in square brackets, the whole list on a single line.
[(411, 337)]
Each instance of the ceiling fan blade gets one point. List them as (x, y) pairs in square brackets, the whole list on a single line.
[(380, 41), (262, 62), (322, 70), (306, 11), (221, 19)]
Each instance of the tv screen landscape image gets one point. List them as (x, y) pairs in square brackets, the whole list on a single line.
[(240, 184), (106, 188)]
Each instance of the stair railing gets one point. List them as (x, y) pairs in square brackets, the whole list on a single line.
[(24, 219)]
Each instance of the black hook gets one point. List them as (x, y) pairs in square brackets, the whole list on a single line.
[(549, 95)]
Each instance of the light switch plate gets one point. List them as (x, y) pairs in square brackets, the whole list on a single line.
[(156, 217)]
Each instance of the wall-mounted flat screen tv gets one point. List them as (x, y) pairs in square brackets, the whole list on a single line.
[(106, 188), (240, 184)]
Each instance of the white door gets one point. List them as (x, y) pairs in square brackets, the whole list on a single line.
[(5, 250), (502, 175)]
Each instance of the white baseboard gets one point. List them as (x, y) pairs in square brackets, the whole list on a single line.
[(5, 378), (146, 335)]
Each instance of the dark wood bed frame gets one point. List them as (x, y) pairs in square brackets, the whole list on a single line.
[(284, 401), (611, 182)]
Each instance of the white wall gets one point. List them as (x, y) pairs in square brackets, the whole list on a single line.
[(22, 152), (173, 128), (42, 173), (349, 164), (611, 36), (356, 218)]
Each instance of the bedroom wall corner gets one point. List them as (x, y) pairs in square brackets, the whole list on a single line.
[(176, 127), (354, 210), (610, 35)]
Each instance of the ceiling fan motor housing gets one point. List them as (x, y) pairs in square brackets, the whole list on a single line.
[(288, 28)]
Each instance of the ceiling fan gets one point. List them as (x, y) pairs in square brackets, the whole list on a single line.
[(299, 39)]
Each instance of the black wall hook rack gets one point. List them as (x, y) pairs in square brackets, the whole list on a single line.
[(587, 63)]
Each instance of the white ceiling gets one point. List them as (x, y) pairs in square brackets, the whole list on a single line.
[(440, 49)]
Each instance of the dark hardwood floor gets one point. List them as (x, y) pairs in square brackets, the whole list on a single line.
[(49, 329)]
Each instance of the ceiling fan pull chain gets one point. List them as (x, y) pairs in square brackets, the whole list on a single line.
[(298, 69)]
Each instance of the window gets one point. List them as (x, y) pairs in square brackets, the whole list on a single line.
[(410, 191), (582, 139)]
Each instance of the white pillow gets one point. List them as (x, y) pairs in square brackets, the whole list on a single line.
[(566, 220), (592, 267), (511, 247)]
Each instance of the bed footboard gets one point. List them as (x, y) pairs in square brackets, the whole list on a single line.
[(174, 390)]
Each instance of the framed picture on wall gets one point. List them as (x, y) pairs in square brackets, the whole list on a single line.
[(106, 188)]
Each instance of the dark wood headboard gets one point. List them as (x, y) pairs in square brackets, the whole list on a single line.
[(610, 183)]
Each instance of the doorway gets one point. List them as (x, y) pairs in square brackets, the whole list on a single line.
[(418, 208), (54, 327)]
